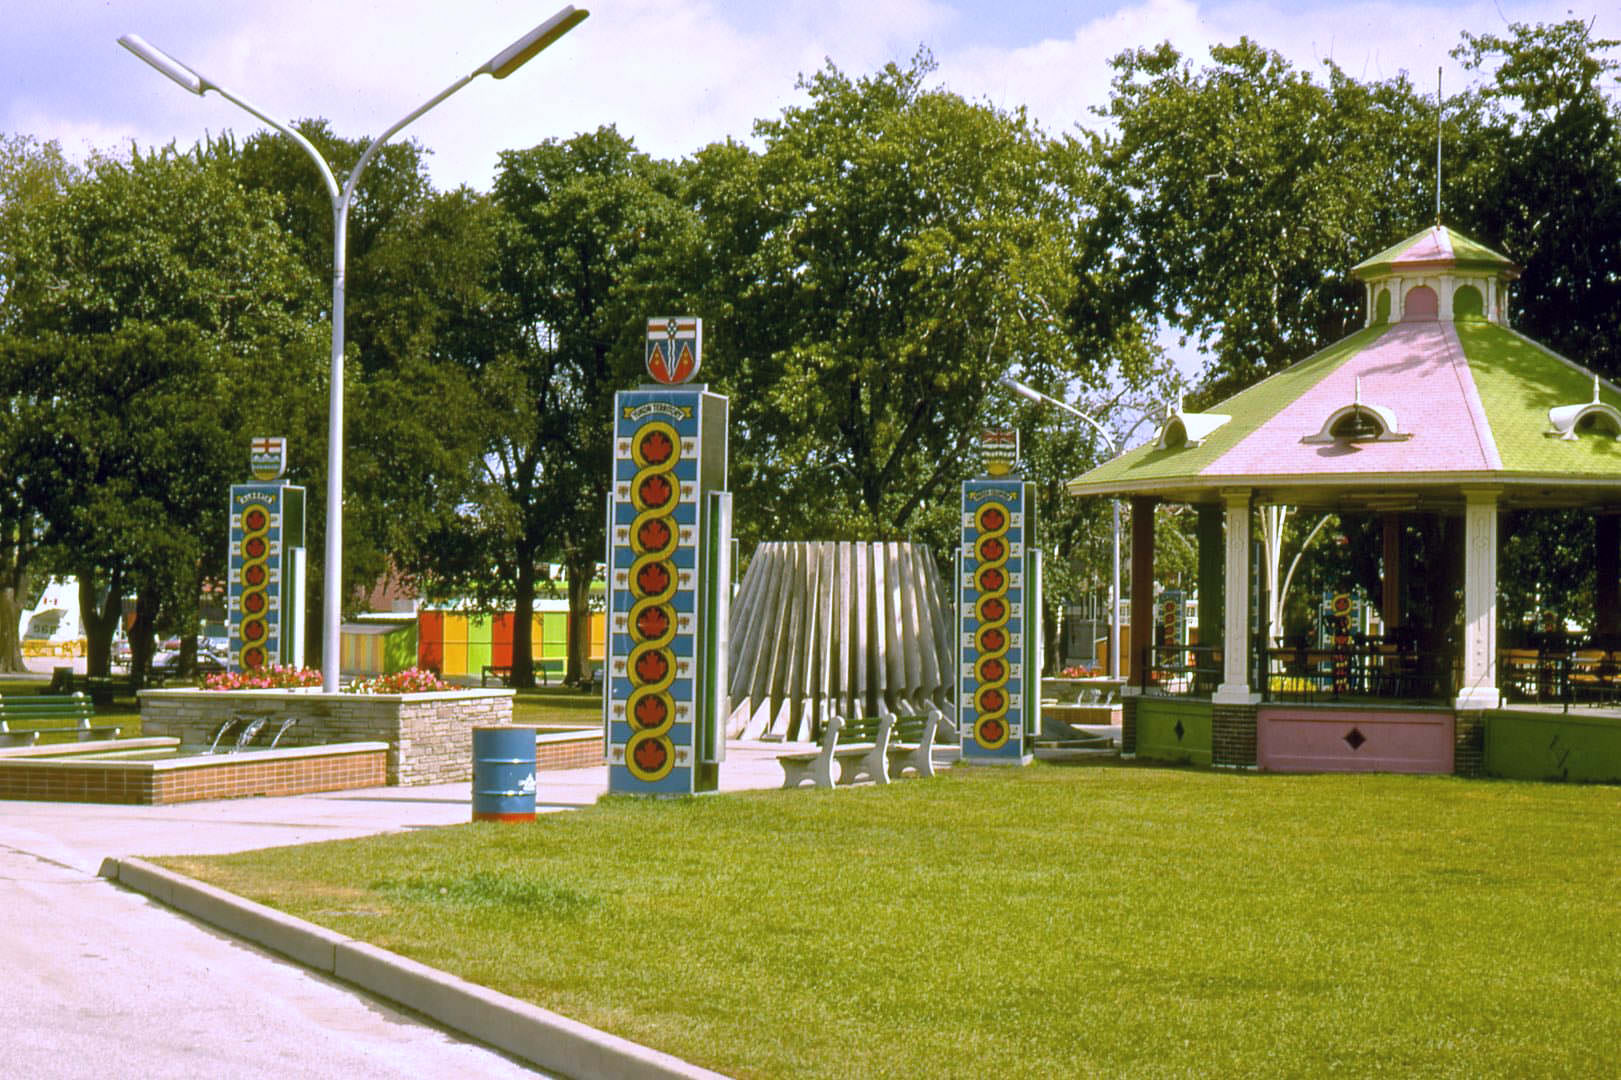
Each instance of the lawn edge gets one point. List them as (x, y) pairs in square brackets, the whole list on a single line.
[(539, 1036)]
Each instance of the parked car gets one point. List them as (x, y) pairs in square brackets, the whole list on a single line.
[(167, 661)]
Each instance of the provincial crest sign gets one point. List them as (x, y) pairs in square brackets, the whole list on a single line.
[(675, 346), (267, 458)]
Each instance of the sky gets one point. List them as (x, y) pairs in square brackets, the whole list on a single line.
[(673, 75)]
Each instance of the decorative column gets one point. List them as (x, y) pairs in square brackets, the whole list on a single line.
[(1142, 589), (1233, 707), (1211, 577), (1390, 591), (1479, 688), (266, 565), (1235, 653), (669, 575), (999, 605), (1607, 567)]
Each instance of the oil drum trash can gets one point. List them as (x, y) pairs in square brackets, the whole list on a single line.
[(503, 773)]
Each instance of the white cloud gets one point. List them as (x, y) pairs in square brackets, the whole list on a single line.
[(673, 75)]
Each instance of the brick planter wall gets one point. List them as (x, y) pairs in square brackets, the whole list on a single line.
[(429, 736), (221, 776), (568, 751)]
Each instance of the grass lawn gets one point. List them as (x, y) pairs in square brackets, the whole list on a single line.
[(124, 710), (557, 705), (1050, 921)]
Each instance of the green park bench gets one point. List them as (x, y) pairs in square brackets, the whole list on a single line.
[(49, 714)]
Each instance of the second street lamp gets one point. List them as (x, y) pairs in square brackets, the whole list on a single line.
[(499, 66), (1032, 394)]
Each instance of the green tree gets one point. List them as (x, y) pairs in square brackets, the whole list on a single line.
[(159, 315), (1238, 196), (1543, 181), (867, 277), (31, 172), (592, 225)]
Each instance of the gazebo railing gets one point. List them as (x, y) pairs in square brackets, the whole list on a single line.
[(1582, 676), (1180, 670), (1357, 670)]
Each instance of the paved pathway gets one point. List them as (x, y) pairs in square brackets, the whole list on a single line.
[(98, 981)]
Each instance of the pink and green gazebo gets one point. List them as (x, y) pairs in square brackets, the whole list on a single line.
[(1436, 406)]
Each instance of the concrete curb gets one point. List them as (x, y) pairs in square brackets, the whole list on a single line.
[(539, 1036)]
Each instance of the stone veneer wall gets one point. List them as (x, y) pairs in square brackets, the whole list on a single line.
[(429, 736)]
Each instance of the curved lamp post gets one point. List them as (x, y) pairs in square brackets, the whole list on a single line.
[(499, 66), (1037, 396)]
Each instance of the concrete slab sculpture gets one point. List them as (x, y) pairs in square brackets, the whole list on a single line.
[(266, 564), (999, 612), (847, 627), (669, 575)]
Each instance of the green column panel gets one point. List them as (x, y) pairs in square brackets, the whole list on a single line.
[(1173, 730)]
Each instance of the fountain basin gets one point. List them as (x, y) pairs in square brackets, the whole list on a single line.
[(155, 771), (429, 735)]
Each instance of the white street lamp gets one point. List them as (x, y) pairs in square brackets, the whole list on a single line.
[(1037, 396), (499, 66)]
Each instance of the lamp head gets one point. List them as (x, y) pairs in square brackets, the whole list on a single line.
[(165, 63), (520, 52)]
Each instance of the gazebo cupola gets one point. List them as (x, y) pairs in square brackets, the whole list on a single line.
[(1436, 275)]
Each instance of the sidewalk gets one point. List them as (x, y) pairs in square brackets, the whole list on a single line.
[(100, 977)]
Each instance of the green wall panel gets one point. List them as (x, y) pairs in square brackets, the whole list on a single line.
[(1548, 746), (1158, 738)]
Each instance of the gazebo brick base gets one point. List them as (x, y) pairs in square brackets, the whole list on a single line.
[(1232, 736), (1469, 744)]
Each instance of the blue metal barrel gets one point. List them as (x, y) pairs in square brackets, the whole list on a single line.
[(503, 773)]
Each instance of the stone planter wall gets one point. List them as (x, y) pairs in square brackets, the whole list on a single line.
[(429, 736)]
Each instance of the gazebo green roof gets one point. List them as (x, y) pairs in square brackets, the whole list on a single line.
[(1458, 401)]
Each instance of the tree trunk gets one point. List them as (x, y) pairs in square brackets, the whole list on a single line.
[(580, 572), (523, 623), (99, 617), (13, 590), (141, 636)]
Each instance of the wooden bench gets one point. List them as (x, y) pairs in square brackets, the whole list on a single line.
[(77, 709), (860, 747), (502, 672)]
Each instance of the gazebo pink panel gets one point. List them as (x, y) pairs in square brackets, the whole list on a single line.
[(1296, 739)]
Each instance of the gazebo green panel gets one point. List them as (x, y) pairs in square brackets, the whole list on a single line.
[(1157, 736), (1553, 746), (1518, 382), (1249, 409)]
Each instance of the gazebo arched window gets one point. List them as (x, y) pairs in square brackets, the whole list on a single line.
[(1421, 305), (1188, 429), (1359, 422), (1590, 417), (1467, 303)]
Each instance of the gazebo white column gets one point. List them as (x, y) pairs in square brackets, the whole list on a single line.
[(1235, 651), (1479, 689)]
